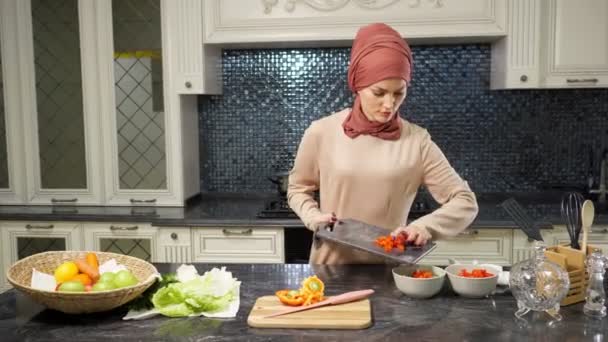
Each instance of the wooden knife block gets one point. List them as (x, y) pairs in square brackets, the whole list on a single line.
[(573, 261)]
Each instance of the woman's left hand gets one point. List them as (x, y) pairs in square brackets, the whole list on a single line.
[(419, 236)]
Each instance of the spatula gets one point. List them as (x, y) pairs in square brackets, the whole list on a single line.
[(339, 299)]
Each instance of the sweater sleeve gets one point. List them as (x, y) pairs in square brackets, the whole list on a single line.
[(458, 203), (304, 179)]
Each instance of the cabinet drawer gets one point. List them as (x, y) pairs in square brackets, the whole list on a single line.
[(175, 245), (485, 245), (239, 245)]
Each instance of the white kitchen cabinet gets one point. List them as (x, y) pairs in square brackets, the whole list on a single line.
[(328, 21), (484, 245), (93, 112), (21, 239), (135, 239), (576, 50), (197, 66), (57, 108), (552, 44), (516, 57), (239, 245), (174, 244)]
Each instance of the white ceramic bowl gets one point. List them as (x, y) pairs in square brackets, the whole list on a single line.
[(418, 287), (472, 287)]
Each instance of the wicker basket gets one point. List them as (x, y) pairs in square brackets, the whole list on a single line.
[(20, 276)]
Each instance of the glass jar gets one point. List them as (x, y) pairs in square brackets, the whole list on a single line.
[(538, 284)]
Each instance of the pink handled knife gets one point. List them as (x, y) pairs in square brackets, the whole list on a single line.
[(339, 299)]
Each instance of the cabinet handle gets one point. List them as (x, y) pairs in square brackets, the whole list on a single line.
[(35, 226), (133, 200), (582, 80), (174, 236), (470, 232), (123, 228), (599, 231), (188, 85), (523, 78), (242, 232), (57, 200)]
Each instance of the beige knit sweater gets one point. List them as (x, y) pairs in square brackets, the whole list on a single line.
[(375, 181)]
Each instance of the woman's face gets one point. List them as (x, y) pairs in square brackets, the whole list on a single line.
[(381, 100)]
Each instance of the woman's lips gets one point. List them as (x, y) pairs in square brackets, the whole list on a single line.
[(386, 114)]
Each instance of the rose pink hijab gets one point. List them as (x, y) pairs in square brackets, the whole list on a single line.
[(378, 53)]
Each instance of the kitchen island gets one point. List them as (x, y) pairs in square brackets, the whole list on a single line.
[(446, 317)]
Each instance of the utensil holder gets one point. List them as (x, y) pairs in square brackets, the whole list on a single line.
[(573, 261)]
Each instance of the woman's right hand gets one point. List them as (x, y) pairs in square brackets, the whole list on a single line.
[(324, 220)]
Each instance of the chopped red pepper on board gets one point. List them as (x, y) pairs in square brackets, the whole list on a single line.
[(389, 242)]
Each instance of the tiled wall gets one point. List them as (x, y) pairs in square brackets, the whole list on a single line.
[(512, 140)]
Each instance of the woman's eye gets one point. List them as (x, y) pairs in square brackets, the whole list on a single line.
[(378, 94), (398, 94)]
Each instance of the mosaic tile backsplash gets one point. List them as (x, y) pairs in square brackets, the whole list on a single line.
[(499, 141)]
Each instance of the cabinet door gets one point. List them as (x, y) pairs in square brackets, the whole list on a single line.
[(12, 167), (134, 239), (288, 21), (22, 239), (484, 245), (577, 50), (60, 139), (239, 245), (139, 146)]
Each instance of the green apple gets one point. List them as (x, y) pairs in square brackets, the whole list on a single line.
[(71, 286), (124, 278), (103, 286)]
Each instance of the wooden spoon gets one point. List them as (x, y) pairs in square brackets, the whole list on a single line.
[(588, 215)]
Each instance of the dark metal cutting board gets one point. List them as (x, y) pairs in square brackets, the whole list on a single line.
[(362, 236)]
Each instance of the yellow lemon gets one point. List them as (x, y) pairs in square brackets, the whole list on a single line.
[(66, 271)]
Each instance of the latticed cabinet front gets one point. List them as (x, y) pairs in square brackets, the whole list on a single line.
[(22, 239), (97, 120), (134, 239)]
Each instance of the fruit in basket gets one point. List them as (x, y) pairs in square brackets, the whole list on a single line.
[(107, 277), (71, 286), (124, 278), (66, 272), (103, 286), (87, 269), (83, 278)]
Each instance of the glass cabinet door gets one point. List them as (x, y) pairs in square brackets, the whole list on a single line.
[(12, 162), (60, 127), (59, 100), (138, 90), (4, 181)]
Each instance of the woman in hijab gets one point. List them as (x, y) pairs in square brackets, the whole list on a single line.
[(368, 163)]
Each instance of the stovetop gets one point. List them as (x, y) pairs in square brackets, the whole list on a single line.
[(278, 208)]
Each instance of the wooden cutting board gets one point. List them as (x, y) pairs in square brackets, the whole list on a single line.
[(355, 315)]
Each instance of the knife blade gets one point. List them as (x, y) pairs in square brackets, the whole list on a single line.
[(339, 299)]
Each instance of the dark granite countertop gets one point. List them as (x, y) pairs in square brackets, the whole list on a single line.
[(214, 210), (396, 317)]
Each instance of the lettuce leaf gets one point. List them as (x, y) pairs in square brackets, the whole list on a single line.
[(211, 292)]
